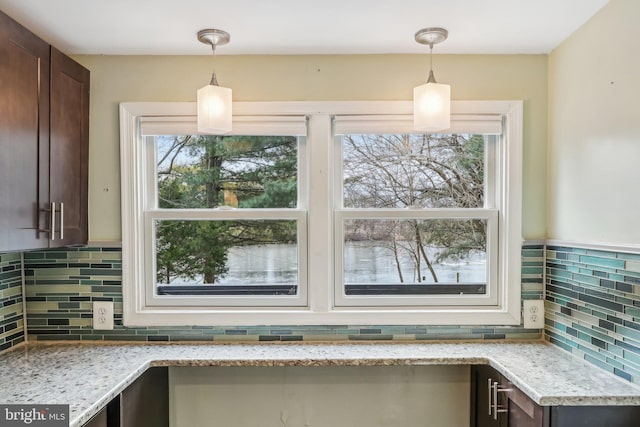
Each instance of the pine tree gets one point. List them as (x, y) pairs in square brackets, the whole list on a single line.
[(207, 172)]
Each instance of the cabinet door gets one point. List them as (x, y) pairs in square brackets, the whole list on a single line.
[(99, 420), (69, 148), (496, 402), (24, 137), (521, 411), (145, 403), (595, 416), (482, 412)]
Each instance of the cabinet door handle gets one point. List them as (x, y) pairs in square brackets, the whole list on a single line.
[(489, 393), (61, 221), (53, 221), (494, 398), (496, 407)]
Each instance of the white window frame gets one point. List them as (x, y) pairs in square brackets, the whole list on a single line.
[(152, 214), (489, 213), (320, 307)]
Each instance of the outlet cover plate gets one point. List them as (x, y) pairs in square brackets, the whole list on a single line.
[(533, 314), (103, 315)]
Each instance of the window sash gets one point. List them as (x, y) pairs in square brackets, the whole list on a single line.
[(489, 212), (493, 150), (492, 282), (148, 151), (151, 297), (151, 214)]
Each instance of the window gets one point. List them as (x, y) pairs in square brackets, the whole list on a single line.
[(222, 213), (416, 220), (321, 213)]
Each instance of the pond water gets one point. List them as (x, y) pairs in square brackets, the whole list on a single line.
[(365, 262)]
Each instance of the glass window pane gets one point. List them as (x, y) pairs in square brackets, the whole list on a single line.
[(241, 257), (414, 256), (208, 171), (413, 170)]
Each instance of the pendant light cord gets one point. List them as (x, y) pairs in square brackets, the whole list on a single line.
[(430, 56), (214, 80), (431, 78)]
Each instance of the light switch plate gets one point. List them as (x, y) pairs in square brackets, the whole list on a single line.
[(533, 313), (103, 315)]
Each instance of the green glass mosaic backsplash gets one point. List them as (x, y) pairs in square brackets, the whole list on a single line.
[(11, 313), (592, 307), (61, 285)]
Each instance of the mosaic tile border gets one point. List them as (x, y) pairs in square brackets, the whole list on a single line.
[(62, 284), (592, 307), (11, 304)]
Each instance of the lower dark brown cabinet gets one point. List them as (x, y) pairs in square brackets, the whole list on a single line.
[(594, 416), (496, 402), (145, 403), (98, 420), (485, 411)]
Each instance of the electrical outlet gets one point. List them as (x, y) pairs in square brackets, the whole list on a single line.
[(103, 315), (533, 313)]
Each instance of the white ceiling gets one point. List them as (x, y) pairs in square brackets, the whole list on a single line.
[(169, 27)]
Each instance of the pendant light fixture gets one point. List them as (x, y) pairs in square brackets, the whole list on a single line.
[(214, 102), (431, 101)]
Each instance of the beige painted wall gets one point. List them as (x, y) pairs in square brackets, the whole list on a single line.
[(594, 133), (116, 79), (338, 396)]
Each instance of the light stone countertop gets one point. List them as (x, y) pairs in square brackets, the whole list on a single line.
[(88, 376)]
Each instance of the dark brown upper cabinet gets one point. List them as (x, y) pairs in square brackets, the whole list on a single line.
[(24, 134), (44, 141), (69, 148)]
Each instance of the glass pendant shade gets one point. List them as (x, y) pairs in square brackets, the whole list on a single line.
[(432, 107), (432, 100), (214, 109), (214, 102)]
